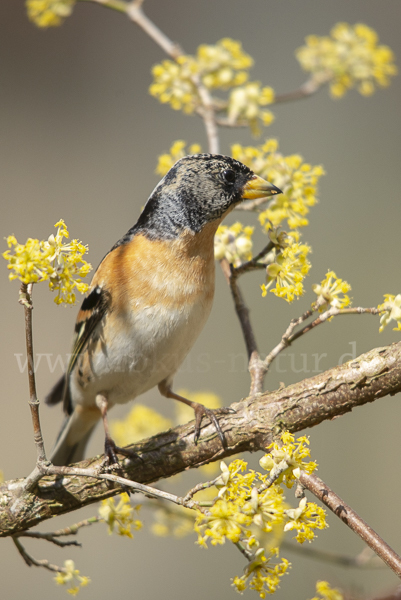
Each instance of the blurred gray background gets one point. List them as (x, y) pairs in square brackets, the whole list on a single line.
[(79, 140)]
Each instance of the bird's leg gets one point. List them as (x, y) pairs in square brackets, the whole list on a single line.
[(199, 409), (110, 447), (109, 444)]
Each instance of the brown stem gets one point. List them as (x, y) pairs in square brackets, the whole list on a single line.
[(350, 518), (364, 560), (285, 340), (33, 562), (254, 263), (26, 300), (309, 88), (328, 314), (136, 14), (240, 308)]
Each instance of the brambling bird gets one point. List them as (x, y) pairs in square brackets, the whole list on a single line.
[(149, 300)]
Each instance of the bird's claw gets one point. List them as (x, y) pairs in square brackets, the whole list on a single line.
[(200, 411)]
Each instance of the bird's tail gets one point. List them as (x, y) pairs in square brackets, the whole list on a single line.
[(76, 429), (72, 440)]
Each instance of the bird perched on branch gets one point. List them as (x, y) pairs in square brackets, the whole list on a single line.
[(149, 300)]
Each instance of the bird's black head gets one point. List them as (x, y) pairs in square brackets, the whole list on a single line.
[(198, 189)]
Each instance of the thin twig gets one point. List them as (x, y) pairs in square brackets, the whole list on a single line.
[(138, 487), (309, 88), (240, 308), (199, 487), (136, 14), (333, 312), (33, 562), (352, 520), (54, 535), (247, 553), (251, 205), (208, 115), (364, 560), (252, 264), (33, 399), (285, 340)]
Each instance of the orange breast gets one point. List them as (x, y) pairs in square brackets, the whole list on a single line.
[(146, 272)]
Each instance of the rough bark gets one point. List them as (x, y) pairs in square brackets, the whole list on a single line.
[(256, 421)]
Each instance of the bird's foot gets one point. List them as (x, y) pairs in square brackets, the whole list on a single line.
[(201, 411)]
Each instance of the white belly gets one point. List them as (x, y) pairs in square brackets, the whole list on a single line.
[(149, 348)]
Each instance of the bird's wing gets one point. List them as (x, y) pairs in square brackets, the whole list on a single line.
[(92, 311)]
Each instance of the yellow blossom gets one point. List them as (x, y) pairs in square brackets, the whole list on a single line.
[(120, 515), (261, 575), (350, 57), (332, 291), (222, 521), (266, 508), (70, 576), (173, 83), (391, 309), (233, 243), (235, 482), (245, 105), (141, 422), (49, 13), (326, 592), (305, 519), (61, 264), (177, 151), (287, 271), (297, 180), (286, 457), (223, 64)]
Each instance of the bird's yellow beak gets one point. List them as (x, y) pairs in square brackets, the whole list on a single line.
[(259, 188)]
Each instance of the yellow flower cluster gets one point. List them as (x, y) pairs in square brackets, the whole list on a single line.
[(120, 515), (288, 270), (173, 83), (297, 180), (61, 264), (391, 309), (246, 104), (140, 423), (234, 243), (49, 13), (222, 65), (350, 57), (250, 511), (331, 292), (177, 151), (305, 519), (238, 514), (238, 506), (70, 576), (287, 458), (326, 592), (261, 575)]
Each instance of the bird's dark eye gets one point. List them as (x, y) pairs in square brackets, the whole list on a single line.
[(229, 176)]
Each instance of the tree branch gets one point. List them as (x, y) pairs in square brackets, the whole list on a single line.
[(253, 426), (350, 518)]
